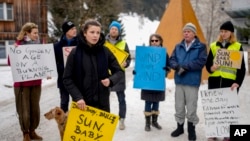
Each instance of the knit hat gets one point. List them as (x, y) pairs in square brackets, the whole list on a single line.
[(67, 26), (190, 26), (115, 24), (227, 26)]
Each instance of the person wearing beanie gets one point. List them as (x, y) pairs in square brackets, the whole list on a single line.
[(191, 27), (221, 76), (115, 24), (187, 59), (68, 39), (114, 40), (227, 26), (67, 26)]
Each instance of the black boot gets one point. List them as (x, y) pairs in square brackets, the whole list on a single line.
[(154, 120), (191, 132), (147, 117), (178, 131)]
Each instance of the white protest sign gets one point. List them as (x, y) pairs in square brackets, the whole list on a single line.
[(32, 62), (221, 109), (66, 52)]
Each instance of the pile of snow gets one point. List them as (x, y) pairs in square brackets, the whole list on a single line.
[(137, 29)]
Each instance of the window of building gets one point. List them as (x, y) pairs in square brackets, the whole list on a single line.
[(4, 45), (2, 50), (1, 10), (6, 11)]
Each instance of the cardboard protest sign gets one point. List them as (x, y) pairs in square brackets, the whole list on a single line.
[(32, 62), (66, 52), (228, 58), (221, 109), (120, 55), (149, 64), (90, 125)]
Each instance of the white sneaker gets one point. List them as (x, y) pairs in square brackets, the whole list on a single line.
[(121, 124)]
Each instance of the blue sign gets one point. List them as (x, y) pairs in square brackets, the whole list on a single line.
[(149, 64)]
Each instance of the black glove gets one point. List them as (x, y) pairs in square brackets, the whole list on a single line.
[(177, 68), (181, 71), (133, 72), (167, 69)]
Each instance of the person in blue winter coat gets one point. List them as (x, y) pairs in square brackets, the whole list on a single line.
[(68, 39), (188, 59)]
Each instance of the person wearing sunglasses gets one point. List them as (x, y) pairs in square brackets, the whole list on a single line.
[(187, 59), (153, 97)]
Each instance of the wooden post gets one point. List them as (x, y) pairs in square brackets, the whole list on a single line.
[(248, 60)]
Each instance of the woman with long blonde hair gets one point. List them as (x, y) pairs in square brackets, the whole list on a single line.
[(221, 76), (28, 93)]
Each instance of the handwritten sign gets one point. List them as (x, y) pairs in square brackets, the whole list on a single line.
[(120, 55), (228, 58), (89, 125), (149, 64), (66, 52), (221, 109), (32, 62)]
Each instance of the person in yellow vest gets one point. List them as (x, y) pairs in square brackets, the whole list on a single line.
[(221, 77), (114, 39)]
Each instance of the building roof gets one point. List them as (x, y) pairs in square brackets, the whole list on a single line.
[(239, 13)]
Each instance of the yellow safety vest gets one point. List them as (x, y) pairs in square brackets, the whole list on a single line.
[(225, 72)]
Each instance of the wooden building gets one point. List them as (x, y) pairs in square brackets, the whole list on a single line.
[(14, 14)]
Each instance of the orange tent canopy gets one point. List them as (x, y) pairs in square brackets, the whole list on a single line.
[(176, 15)]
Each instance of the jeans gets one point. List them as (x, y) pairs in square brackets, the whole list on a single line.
[(122, 103), (151, 106), (64, 99)]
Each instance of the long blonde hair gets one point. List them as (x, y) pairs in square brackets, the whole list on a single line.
[(27, 28), (232, 38)]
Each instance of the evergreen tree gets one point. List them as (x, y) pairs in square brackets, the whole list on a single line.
[(78, 11), (244, 32)]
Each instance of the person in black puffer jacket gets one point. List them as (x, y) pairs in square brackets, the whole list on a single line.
[(86, 75)]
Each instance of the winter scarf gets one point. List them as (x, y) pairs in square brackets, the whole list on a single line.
[(98, 50)]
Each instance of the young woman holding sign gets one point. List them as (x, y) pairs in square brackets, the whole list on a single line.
[(86, 76), (220, 76), (27, 93)]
